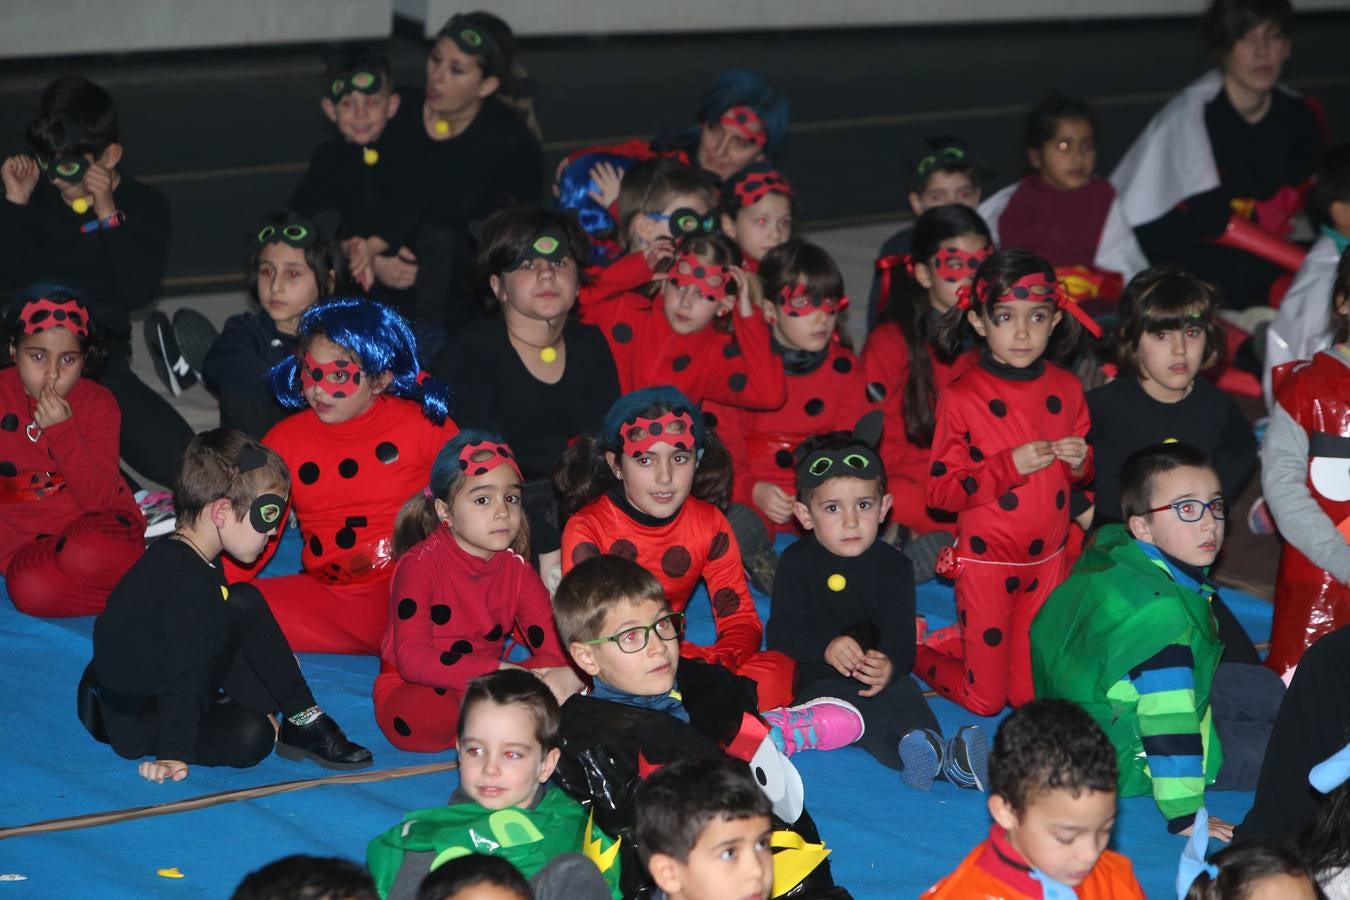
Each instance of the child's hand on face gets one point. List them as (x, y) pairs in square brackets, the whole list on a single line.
[(1218, 828), (875, 671), (52, 408), (397, 271), (607, 178), (1033, 456), (657, 251), (561, 680), (98, 181), (845, 655), (1072, 451), (162, 770), (20, 174), (773, 501)]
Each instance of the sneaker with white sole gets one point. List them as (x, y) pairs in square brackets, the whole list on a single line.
[(965, 762), (825, 723), (921, 753)]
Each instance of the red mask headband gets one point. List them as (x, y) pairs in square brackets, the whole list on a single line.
[(675, 428), (741, 120), (334, 376), (481, 457), (955, 264), (1036, 287), (797, 301), (43, 313), (758, 185), (713, 282)]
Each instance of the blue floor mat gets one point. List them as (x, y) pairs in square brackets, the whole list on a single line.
[(54, 770)]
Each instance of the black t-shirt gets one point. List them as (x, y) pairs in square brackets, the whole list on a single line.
[(1126, 419)]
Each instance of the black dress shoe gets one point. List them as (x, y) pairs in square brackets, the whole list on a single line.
[(322, 741)]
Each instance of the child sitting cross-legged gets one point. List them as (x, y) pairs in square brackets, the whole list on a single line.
[(843, 608), (508, 747), (1052, 795)]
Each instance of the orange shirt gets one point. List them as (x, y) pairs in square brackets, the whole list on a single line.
[(995, 871)]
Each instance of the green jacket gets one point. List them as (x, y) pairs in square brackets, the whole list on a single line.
[(527, 838), (1117, 609)]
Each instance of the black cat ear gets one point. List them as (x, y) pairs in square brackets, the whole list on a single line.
[(868, 429)]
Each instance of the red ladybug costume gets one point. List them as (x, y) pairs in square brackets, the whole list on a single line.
[(450, 613), (348, 482), (69, 526), (1012, 528), (1309, 601), (696, 543)]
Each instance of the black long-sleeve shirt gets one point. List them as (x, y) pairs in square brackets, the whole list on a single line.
[(117, 270), (236, 370), (338, 178)]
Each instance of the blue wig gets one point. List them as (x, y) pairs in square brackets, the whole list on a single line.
[(446, 470), (381, 341), (736, 87), (648, 402), (575, 185)]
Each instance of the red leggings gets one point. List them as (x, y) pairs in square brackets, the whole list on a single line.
[(318, 617), (413, 716), (72, 572), (910, 507), (985, 663)]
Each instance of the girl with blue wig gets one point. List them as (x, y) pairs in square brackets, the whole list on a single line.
[(647, 487), (371, 422)]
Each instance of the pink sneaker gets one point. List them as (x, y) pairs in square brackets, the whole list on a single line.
[(825, 723)]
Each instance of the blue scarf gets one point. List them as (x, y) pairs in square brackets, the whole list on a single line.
[(671, 703), (1183, 574), (1339, 239)]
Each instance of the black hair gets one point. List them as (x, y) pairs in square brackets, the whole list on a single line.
[(497, 60), (446, 880), (996, 275), (786, 265), (324, 258), (1166, 298), (1049, 745), (1340, 294), (650, 186), (509, 232), (834, 440), (731, 202), (1333, 181), (942, 156), (515, 687), (91, 345), (676, 803), (75, 117), (1143, 466), (301, 877), (347, 58), (1227, 21), (1323, 842), (1043, 120), (592, 588), (737, 87), (1241, 867), (909, 308)]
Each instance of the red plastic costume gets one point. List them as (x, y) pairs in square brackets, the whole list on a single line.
[(996, 871), (348, 482), (1012, 528), (886, 362), (69, 526), (831, 397), (739, 369), (696, 543), (1309, 601), (450, 614)]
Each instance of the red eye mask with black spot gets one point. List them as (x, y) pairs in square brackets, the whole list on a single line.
[(43, 313), (334, 376), (675, 428), (481, 457), (757, 185), (1036, 287), (954, 264), (713, 282), (798, 301), (742, 120)]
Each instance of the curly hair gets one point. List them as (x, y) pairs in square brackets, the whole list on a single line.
[(1050, 745)]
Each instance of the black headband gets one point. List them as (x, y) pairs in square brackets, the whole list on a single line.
[(362, 80), (468, 37), (550, 244), (251, 458), (858, 459), (299, 231)]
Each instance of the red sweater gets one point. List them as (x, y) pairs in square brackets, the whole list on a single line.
[(982, 417), (348, 482), (70, 470), (696, 543), (450, 613)]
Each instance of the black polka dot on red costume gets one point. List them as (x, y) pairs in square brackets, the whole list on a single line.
[(843, 365), (449, 658), (993, 637), (1036, 547), (1035, 583), (680, 363), (1060, 499), (584, 551), (440, 614), (407, 608), (814, 407), (731, 350), (970, 676), (9, 423), (976, 454), (308, 472), (977, 544), (969, 484), (1008, 501), (495, 634), (876, 391), (737, 381), (402, 727), (783, 459), (461, 646), (122, 520), (1012, 583), (962, 617), (1054, 404), (345, 538), (624, 548), (60, 545), (8, 469), (621, 333), (676, 561), (932, 672), (725, 602), (348, 468), (721, 543), (386, 452), (535, 634), (439, 692), (709, 420), (315, 545), (998, 407)]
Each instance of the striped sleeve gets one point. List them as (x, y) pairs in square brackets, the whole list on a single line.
[(1171, 733)]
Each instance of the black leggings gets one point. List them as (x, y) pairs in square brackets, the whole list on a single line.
[(154, 435)]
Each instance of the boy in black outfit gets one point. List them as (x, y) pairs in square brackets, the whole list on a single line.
[(843, 608), (96, 229), (174, 634)]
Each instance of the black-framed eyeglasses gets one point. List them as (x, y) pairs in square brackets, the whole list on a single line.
[(1194, 510), (669, 627)]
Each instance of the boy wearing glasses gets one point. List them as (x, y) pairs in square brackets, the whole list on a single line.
[(1130, 636)]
